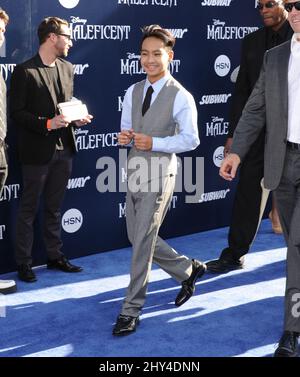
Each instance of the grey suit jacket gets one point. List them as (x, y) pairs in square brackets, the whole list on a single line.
[(267, 104)]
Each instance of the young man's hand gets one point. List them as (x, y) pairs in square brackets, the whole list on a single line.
[(125, 137), (142, 141)]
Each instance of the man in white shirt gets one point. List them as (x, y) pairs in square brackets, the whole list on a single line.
[(275, 101), (159, 119), (6, 286)]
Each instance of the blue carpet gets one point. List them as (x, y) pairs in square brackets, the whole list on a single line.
[(237, 314)]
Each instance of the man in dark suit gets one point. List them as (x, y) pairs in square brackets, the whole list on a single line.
[(6, 286), (274, 102), (246, 213), (46, 142)]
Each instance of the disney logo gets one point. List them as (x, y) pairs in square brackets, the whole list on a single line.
[(77, 20), (218, 22), (217, 119), (81, 132), (131, 55)]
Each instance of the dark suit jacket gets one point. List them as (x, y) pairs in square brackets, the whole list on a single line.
[(252, 55), (32, 103), (267, 105)]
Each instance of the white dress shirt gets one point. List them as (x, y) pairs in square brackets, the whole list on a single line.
[(184, 113), (293, 133)]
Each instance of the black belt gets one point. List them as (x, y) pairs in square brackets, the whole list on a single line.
[(293, 145)]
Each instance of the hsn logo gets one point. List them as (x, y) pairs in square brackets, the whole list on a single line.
[(218, 156), (222, 65), (72, 220)]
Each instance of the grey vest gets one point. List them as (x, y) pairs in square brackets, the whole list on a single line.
[(157, 122)]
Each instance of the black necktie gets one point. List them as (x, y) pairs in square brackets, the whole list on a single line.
[(147, 100)]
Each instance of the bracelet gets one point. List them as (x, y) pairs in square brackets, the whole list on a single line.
[(48, 124)]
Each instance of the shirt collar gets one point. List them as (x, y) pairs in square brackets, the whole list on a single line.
[(295, 45), (157, 86)]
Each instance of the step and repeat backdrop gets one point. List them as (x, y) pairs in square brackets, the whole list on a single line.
[(105, 54)]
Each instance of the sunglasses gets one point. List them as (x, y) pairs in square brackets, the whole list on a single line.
[(68, 36), (289, 6), (269, 4)]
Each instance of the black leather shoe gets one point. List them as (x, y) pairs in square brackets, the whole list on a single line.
[(125, 325), (188, 286), (221, 266), (288, 345), (63, 264), (25, 273)]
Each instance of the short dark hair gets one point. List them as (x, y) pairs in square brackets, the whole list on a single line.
[(157, 31), (50, 25), (4, 16)]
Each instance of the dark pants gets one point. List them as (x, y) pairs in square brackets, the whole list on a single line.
[(246, 206), (3, 166), (287, 197), (50, 180)]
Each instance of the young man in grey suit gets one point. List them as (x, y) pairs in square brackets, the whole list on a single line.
[(275, 102), (6, 286), (159, 119)]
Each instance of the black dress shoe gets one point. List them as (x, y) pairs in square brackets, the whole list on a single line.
[(25, 273), (188, 286), (63, 264), (288, 345), (125, 325), (221, 265)]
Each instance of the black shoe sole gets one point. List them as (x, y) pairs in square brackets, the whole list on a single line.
[(6, 291), (59, 269), (224, 271), (285, 354), (27, 280)]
